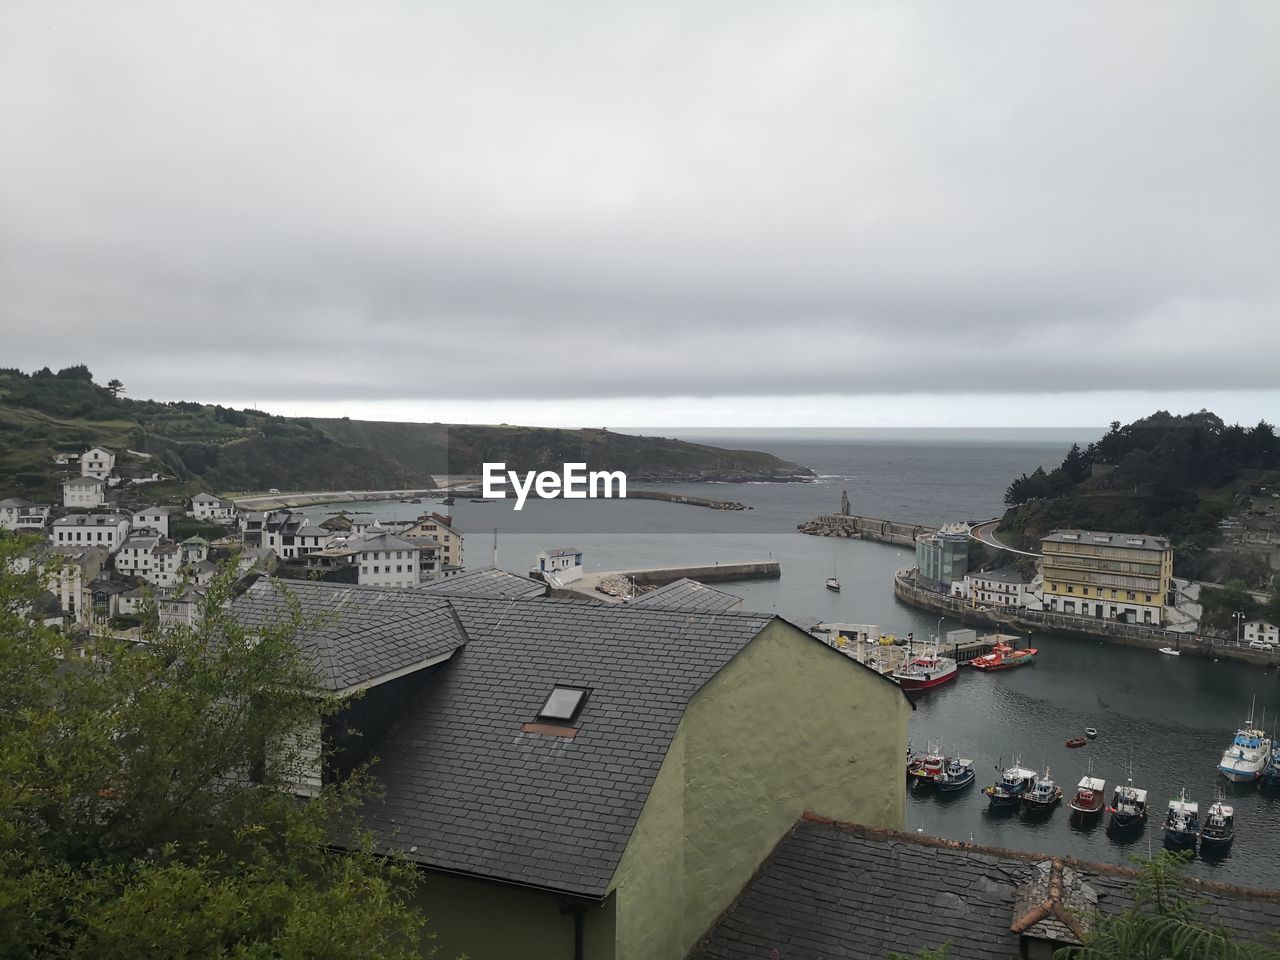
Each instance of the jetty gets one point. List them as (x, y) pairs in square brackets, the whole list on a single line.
[(618, 585), (685, 498)]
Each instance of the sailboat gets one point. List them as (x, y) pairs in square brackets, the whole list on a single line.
[(832, 582)]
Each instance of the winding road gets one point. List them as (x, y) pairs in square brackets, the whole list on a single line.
[(985, 533)]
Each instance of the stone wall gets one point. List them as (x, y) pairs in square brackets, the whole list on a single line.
[(865, 528)]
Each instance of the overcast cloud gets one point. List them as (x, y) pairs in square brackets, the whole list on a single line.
[(321, 203)]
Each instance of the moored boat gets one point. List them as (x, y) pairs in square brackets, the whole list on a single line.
[(1090, 797), (1091, 733), (1271, 773), (1004, 657), (1013, 784), (1044, 795), (1128, 808), (1218, 829), (1075, 742), (927, 670), (929, 767), (957, 775), (833, 584), (1170, 652), (1182, 823), (1248, 755)]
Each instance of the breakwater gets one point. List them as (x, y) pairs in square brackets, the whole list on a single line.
[(1127, 634), (865, 528), (684, 498)]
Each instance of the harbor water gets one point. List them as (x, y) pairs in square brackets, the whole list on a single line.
[(1168, 719)]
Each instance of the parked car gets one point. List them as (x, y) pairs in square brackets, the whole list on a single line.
[(1261, 645)]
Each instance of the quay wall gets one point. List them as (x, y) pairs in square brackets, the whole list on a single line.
[(707, 573), (867, 528), (685, 498), (1127, 634)]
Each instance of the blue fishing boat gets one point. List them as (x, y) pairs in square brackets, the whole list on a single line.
[(1012, 786), (958, 775), (1248, 755), (1044, 795)]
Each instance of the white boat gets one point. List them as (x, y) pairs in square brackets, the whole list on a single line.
[(1169, 651), (833, 584), (1182, 823), (1248, 755)]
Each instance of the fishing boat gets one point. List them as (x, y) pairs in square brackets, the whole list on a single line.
[(1248, 755), (1182, 823), (958, 775), (1271, 773), (1091, 733), (1076, 742), (833, 584), (928, 768), (927, 670), (1128, 808), (911, 758), (1044, 796), (1013, 784), (1090, 797), (1170, 652), (1003, 657), (447, 501), (1218, 829)]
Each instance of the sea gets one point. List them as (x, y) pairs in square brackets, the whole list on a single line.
[(1163, 721)]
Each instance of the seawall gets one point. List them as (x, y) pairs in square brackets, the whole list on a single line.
[(1130, 635), (866, 528)]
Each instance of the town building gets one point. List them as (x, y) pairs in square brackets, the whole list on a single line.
[(84, 493), (134, 558), (574, 773), (558, 565), (994, 588), (384, 560), (859, 893), (439, 527), (107, 530), (1260, 630), (23, 515), (97, 462), (154, 518), (205, 506), (67, 572), (942, 557), (1108, 576)]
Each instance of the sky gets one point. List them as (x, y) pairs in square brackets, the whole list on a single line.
[(690, 214)]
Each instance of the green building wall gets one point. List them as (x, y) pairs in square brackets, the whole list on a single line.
[(790, 725)]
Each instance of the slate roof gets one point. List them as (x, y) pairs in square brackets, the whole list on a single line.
[(837, 890), (1003, 575), (467, 789), (485, 582), (362, 633), (1128, 541), (686, 594)]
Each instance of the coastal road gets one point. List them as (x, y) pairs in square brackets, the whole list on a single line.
[(985, 533)]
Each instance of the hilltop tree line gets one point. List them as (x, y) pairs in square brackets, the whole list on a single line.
[(1159, 452)]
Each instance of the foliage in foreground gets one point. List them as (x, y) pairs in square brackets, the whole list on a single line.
[(1163, 923), (141, 804)]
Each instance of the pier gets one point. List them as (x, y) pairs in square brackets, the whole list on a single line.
[(853, 527), (863, 642), (590, 584), (685, 498)]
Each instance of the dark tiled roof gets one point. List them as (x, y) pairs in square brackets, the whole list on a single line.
[(362, 633), (686, 594), (486, 582), (833, 890), (466, 789)]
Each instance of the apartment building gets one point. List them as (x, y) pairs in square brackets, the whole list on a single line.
[(1108, 576)]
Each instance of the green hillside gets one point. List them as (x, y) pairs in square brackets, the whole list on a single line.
[(1174, 476), (224, 450)]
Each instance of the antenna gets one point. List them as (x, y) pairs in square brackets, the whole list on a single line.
[(495, 547)]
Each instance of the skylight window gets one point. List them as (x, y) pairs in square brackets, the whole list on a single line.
[(563, 704)]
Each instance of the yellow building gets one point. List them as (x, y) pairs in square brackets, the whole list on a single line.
[(1109, 576)]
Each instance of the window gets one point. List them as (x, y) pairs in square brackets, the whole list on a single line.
[(563, 704)]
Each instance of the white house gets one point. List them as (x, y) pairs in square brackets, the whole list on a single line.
[(559, 565), (107, 530), (23, 515), (166, 565), (97, 462), (136, 554), (75, 567), (195, 549), (183, 608), (84, 492), (1261, 630), (993, 588), (205, 506), (154, 518), (387, 561), (308, 539)]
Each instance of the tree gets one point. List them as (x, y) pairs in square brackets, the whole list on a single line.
[(77, 372), (115, 387), (144, 808), (1163, 923)]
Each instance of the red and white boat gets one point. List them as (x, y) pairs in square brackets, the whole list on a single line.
[(1090, 798), (925, 671), (1003, 657)]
